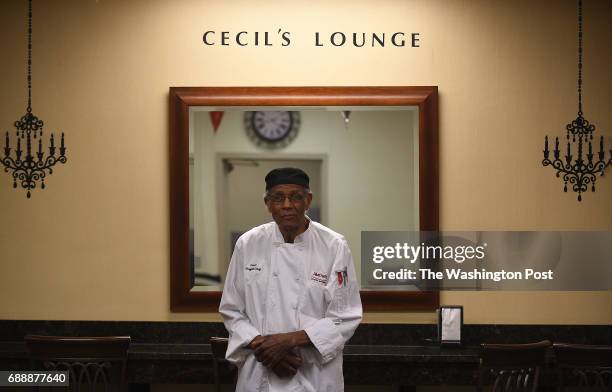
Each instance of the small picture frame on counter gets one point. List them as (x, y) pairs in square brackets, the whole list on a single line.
[(450, 325)]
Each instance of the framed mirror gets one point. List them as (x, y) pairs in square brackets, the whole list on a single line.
[(371, 153)]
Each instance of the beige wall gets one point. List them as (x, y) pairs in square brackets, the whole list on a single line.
[(95, 243)]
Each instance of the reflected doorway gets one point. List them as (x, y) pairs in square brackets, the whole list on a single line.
[(241, 193)]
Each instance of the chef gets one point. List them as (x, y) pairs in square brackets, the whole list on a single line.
[(291, 298)]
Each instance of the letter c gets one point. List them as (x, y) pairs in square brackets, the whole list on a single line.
[(376, 273), (204, 38), (238, 38)]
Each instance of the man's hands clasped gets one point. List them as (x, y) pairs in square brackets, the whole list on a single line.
[(276, 352)]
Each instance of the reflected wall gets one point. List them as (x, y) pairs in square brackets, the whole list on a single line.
[(364, 176)]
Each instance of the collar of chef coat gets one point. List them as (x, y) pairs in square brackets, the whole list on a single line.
[(299, 240)]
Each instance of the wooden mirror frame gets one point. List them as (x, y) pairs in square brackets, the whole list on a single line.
[(182, 299)]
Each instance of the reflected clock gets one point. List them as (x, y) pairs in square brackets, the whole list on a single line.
[(272, 129)]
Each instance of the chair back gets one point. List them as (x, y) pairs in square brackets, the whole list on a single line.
[(93, 363), (512, 367), (588, 367), (218, 347)]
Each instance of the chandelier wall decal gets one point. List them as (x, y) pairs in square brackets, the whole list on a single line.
[(579, 170), (34, 166)]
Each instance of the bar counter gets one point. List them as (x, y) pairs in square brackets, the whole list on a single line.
[(166, 352), (150, 363)]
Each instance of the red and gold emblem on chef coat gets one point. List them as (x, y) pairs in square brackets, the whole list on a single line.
[(341, 276)]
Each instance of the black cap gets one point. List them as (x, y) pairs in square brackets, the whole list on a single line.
[(287, 175)]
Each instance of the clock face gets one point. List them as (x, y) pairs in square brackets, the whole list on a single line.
[(272, 129)]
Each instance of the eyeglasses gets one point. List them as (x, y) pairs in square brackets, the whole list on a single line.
[(279, 198)]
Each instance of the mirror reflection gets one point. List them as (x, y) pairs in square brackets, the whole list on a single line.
[(362, 163)]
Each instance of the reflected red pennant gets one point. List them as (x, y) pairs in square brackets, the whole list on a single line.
[(215, 119)]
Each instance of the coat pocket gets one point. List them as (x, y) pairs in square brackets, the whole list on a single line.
[(315, 300)]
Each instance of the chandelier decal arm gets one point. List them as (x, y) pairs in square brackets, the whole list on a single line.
[(30, 170), (580, 173)]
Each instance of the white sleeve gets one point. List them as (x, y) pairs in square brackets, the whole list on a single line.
[(232, 309), (344, 311)]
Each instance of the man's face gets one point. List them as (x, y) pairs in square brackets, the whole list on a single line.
[(287, 204)]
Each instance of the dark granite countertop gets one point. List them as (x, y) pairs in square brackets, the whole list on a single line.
[(382, 353), (352, 353), (414, 335)]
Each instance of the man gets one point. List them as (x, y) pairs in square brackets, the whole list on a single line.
[(291, 297)]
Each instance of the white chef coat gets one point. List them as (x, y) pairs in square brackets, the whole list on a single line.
[(273, 287)]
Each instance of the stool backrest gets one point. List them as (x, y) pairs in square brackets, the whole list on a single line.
[(93, 363), (588, 367), (218, 347), (512, 367)]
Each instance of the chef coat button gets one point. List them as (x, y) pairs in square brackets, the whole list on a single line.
[(297, 278), (275, 274), (294, 306)]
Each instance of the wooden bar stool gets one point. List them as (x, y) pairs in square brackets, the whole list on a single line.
[(511, 367), (93, 363), (219, 347), (588, 367)]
